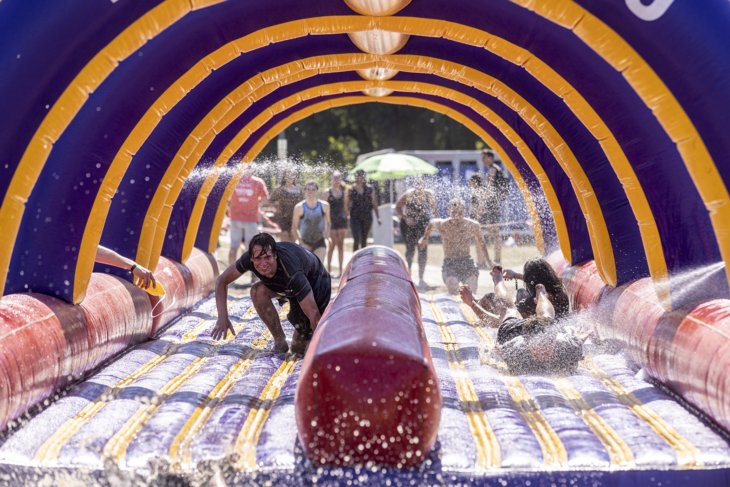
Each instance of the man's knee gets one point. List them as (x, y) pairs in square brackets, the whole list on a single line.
[(260, 293)]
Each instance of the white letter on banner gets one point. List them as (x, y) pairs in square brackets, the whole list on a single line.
[(650, 12)]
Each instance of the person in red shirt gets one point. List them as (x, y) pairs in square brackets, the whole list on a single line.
[(249, 194)]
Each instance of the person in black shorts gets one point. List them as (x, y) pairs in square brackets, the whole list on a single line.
[(362, 203), (287, 271), (537, 344), (336, 195)]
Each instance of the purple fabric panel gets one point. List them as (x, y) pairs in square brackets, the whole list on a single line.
[(96, 133), (653, 156), (688, 48), (39, 58), (202, 239)]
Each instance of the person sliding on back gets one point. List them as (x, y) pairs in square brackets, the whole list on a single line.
[(539, 344)]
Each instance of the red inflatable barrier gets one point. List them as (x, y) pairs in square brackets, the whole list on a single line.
[(185, 284), (583, 284), (686, 349), (368, 391), (117, 314), (45, 342)]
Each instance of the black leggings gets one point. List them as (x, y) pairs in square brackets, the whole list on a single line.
[(411, 235), (360, 228)]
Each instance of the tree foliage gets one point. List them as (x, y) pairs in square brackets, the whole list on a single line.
[(338, 135)]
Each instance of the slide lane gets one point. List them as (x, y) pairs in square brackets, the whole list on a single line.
[(184, 405)]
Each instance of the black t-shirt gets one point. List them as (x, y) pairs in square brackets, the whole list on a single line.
[(298, 272)]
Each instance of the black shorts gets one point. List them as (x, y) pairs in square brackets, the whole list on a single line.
[(461, 268), (493, 212), (510, 328), (299, 319)]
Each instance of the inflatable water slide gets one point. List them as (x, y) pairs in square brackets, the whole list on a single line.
[(124, 124)]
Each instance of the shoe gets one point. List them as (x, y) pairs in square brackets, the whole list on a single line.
[(422, 286)]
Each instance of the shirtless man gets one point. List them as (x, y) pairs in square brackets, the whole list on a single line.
[(457, 234)]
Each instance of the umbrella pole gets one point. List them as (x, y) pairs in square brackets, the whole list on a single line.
[(391, 191)]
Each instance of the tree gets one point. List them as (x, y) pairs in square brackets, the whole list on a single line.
[(338, 135)]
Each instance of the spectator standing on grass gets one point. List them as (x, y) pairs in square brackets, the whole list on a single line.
[(496, 200), (249, 195), (336, 195), (415, 208), (362, 203), (286, 198)]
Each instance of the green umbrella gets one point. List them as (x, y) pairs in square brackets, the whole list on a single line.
[(393, 165)]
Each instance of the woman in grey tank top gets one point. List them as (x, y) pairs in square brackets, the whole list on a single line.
[(311, 221)]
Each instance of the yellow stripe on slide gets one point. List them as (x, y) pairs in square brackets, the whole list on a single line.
[(688, 456), (249, 435), (553, 450), (116, 447), (619, 452), (51, 448), (180, 454), (488, 449)]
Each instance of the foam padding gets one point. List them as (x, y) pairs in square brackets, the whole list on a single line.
[(368, 390), (185, 284), (687, 349), (45, 343)]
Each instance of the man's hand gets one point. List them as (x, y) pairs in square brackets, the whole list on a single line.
[(509, 274), (221, 328), (143, 277), (423, 243), (466, 295)]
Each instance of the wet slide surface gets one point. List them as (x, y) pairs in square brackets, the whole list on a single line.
[(183, 408)]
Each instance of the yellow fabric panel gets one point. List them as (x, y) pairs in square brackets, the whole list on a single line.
[(423, 88), (562, 13), (670, 114), (59, 116), (352, 100)]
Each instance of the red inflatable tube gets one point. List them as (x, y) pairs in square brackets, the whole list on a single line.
[(368, 391), (45, 343), (204, 270), (185, 284), (701, 345), (686, 349), (583, 284), (117, 314), (177, 279), (32, 348)]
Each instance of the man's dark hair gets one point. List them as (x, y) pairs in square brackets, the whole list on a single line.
[(263, 240), (539, 271), (477, 179)]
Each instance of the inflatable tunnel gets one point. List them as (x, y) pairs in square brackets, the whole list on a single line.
[(608, 114)]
